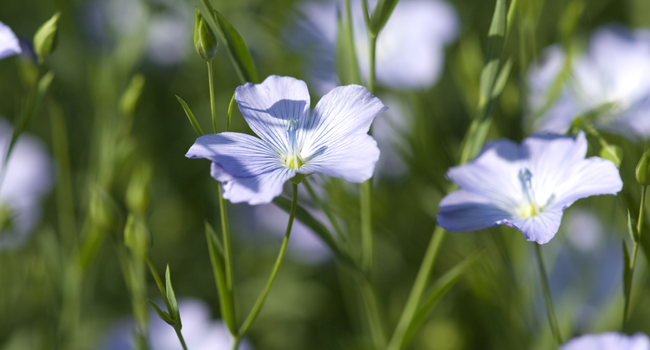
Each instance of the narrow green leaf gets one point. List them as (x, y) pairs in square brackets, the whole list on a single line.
[(156, 277), (381, 14), (632, 227), (439, 288), (627, 274), (162, 314), (496, 40), (237, 49), (347, 64), (225, 295), (171, 297), (234, 43), (190, 116), (232, 103), (502, 78)]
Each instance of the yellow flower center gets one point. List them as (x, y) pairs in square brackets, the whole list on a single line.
[(294, 162)]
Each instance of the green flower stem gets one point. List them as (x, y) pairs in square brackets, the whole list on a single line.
[(635, 251), (180, 337), (547, 296), (398, 339), (213, 107), (366, 226), (274, 273), (225, 230), (372, 311)]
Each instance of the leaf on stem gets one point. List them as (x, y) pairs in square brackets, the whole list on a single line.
[(439, 288), (632, 228), (162, 314), (347, 65), (234, 43), (627, 278), (230, 105), (217, 261), (171, 297), (190, 116), (381, 14)]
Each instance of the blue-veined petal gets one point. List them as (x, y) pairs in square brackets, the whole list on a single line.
[(8, 42), (250, 170), (239, 154), (463, 211), (268, 106), (353, 158), (541, 227), (344, 112), (258, 189), (493, 174)]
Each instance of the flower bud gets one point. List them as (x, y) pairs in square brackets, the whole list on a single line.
[(643, 168), (205, 42), (130, 99), (45, 38), (137, 193)]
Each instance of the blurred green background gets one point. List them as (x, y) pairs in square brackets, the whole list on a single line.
[(314, 304)]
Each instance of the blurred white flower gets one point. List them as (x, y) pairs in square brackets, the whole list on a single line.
[(28, 178), (410, 48), (8, 42), (304, 244), (612, 76), (199, 331), (167, 26), (608, 341), (391, 130)]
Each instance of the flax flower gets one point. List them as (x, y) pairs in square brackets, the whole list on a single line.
[(9, 44), (525, 186), (27, 179), (611, 81), (410, 49), (333, 140), (608, 341)]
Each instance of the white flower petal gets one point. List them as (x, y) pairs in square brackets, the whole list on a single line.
[(268, 106), (9, 44)]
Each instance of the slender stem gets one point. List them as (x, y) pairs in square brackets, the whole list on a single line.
[(180, 337), (213, 107), (235, 343), (276, 268), (547, 296), (225, 230), (635, 251), (398, 339), (372, 310), (366, 227), (372, 41), (226, 240)]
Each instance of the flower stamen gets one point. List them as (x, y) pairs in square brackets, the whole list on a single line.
[(531, 209), (292, 160)]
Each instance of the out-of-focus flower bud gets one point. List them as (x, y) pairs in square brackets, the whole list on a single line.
[(137, 194), (136, 236), (205, 42), (45, 38), (613, 153), (643, 168), (130, 99)]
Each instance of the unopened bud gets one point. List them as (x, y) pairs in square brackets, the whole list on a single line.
[(137, 193), (130, 99), (45, 38), (205, 42), (643, 168)]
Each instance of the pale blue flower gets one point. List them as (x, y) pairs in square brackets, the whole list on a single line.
[(333, 140), (9, 44), (608, 341), (525, 186), (410, 48), (28, 178), (613, 76)]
